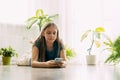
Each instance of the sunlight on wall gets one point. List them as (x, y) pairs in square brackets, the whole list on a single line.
[(81, 16), (89, 14)]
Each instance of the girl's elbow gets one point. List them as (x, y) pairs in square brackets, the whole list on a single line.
[(33, 65)]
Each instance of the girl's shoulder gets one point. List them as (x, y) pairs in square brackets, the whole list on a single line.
[(37, 43)]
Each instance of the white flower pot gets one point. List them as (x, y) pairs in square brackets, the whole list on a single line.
[(91, 59)]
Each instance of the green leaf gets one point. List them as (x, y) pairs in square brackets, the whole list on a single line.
[(8, 52), (99, 29), (115, 51), (31, 22), (110, 58), (85, 35), (97, 43), (53, 16), (39, 12)]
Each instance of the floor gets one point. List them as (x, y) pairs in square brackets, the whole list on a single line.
[(71, 72)]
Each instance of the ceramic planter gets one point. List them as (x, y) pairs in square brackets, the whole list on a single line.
[(91, 59), (6, 60)]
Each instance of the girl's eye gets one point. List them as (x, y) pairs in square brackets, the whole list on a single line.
[(51, 33), (48, 32), (54, 33)]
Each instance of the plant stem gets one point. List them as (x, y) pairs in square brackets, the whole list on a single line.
[(91, 44), (39, 24)]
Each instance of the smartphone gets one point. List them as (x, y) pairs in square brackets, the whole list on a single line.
[(57, 60)]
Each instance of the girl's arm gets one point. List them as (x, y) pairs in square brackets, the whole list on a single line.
[(36, 63), (63, 55)]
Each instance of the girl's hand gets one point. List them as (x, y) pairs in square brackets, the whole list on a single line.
[(62, 64), (51, 63)]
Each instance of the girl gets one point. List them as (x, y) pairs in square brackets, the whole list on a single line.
[(47, 47)]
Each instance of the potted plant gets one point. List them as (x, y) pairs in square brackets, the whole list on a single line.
[(70, 53), (7, 53), (40, 19), (95, 36), (114, 47)]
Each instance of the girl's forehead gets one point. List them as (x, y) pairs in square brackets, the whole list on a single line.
[(51, 28)]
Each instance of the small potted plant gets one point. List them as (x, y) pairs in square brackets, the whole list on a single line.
[(70, 53), (114, 47), (95, 36), (7, 53), (40, 19)]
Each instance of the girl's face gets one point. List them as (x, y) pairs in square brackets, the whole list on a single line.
[(50, 34)]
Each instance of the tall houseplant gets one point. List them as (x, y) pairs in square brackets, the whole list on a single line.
[(95, 36), (114, 47), (7, 53), (39, 19)]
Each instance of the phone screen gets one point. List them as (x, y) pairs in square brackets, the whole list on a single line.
[(57, 60)]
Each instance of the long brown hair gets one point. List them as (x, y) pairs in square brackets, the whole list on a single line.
[(41, 39)]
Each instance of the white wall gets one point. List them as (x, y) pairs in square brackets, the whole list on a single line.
[(17, 36)]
